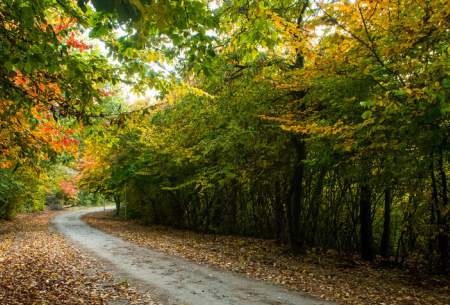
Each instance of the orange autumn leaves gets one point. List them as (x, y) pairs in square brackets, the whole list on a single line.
[(56, 136), (47, 130), (68, 188), (91, 167), (43, 89), (38, 132), (35, 128)]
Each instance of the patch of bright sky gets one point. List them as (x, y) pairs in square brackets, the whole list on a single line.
[(213, 5), (151, 95), (126, 92)]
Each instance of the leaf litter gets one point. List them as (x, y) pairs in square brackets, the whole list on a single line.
[(346, 280), (38, 266)]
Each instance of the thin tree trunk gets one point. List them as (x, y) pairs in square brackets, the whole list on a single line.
[(296, 196), (443, 219), (278, 212), (296, 241), (117, 201), (433, 214), (385, 247), (365, 223), (316, 202)]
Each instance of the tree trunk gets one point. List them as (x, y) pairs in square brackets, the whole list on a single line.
[(443, 219), (365, 223), (316, 202), (385, 247), (433, 215), (278, 212), (296, 193), (296, 196), (117, 201)]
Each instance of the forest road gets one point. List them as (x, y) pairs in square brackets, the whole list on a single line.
[(170, 279)]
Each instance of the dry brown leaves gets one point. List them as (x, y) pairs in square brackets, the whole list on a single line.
[(38, 266), (326, 276)]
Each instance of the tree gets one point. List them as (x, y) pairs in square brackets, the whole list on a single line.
[(320, 124)]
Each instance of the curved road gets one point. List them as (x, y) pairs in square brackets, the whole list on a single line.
[(173, 279)]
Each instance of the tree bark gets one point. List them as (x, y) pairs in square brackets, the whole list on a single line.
[(278, 212), (117, 201), (296, 193), (316, 202), (443, 219), (296, 240), (365, 223), (385, 246)]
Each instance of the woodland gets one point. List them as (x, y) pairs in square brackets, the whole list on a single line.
[(323, 125)]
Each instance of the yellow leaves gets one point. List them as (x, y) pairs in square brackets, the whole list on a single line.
[(363, 40), (287, 28), (4, 104), (409, 91), (9, 26), (314, 128), (292, 124), (294, 80), (295, 40), (345, 46), (93, 166), (152, 56), (145, 55), (181, 91)]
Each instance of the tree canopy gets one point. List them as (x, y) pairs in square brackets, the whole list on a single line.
[(321, 124)]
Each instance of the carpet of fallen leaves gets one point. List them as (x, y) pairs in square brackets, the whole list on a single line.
[(327, 276), (37, 266)]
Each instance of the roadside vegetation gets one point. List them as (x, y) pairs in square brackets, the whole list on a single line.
[(320, 125)]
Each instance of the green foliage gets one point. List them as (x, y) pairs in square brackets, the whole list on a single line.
[(89, 199), (322, 125), (363, 118), (21, 191)]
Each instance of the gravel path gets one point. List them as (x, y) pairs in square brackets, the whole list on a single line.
[(172, 279)]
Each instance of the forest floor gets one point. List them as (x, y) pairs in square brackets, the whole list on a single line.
[(327, 276), (173, 280), (38, 266)]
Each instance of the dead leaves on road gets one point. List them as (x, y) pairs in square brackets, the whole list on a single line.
[(39, 267), (325, 276)]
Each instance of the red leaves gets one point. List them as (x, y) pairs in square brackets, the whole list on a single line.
[(74, 43), (62, 26), (65, 24)]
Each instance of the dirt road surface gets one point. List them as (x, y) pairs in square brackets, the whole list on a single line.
[(173, 280)]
